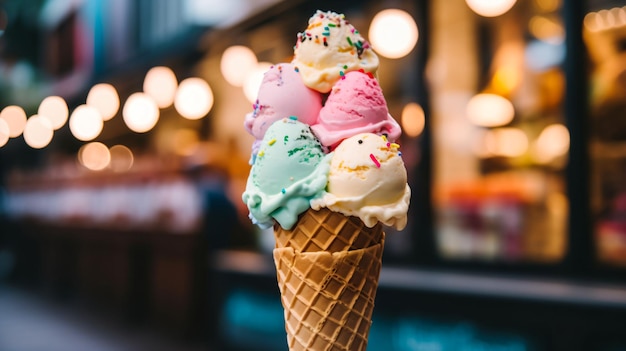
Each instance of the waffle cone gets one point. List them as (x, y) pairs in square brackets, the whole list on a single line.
[(325, 230), (328, 298)]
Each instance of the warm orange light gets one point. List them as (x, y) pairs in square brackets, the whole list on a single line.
[(86, 123), (490, 8), (38, 132), (4, 132), (252, 82), (605, 19), (55, 109), (393, 33), (507, 142), (15, 118), (236, 63), (490, 110), (160, 83), (104, 98), (548, 5), (140, 112), (553, 142), (194, 98), (413, 119), (121, 158), (94, 156), (547, 29), (506, 79)]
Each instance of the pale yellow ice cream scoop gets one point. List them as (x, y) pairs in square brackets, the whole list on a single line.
[(329, 48)]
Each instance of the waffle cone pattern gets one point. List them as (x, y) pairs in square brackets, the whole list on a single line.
[(328, 298), (325, 230)]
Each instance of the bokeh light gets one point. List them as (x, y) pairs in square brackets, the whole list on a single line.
[(15, 118), (253, 81), (161, 83), (140, 112), (194, 98), (4, 132), (236, 63), (506, 79), (490, 8), (121, 158), (548, 29), (507, 142), (94, 156), (605, 19), (105, 99), (553, 142), (547, 5), (54, 108), (38, 132), (413, 119), (489, 110), (86, 123), (393, 33)]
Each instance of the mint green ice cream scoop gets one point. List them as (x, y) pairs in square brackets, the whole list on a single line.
[(290, 170)]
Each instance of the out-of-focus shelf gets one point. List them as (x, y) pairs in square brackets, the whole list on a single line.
[(559, 291), (552, 290), (243, 262), (608, 150)]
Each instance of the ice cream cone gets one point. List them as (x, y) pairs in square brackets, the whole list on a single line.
[(328, 298), (335, 203), (325, 230)]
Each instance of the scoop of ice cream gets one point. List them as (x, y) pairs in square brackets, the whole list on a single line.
[(290, 170), (329, 48), (282, 94), (355, 105), (368, 180)]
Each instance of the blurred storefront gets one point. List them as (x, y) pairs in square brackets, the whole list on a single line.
[(513, 142)]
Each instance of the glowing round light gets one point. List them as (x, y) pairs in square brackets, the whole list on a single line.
[(94, 156), (194, 98), (38, 132), (140, 112), (393, 33), (489, 110), (547, 29), (547, 5), (161, 83), (86, 123), (105, 99), (505, 79), (507, 142), (55, 109), (619, 13), (553, 142), (490, 8), (15, 118), (413, 119), (253, 81), (592, 22), (121, 158), (4, 132), (236, 63)]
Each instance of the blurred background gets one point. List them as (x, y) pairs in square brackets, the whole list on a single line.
[(123, 158)]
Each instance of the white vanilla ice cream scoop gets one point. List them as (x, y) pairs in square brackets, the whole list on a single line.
[(368, 180)]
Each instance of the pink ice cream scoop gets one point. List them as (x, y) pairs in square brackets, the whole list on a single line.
[(355, 105), (282, 95)]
